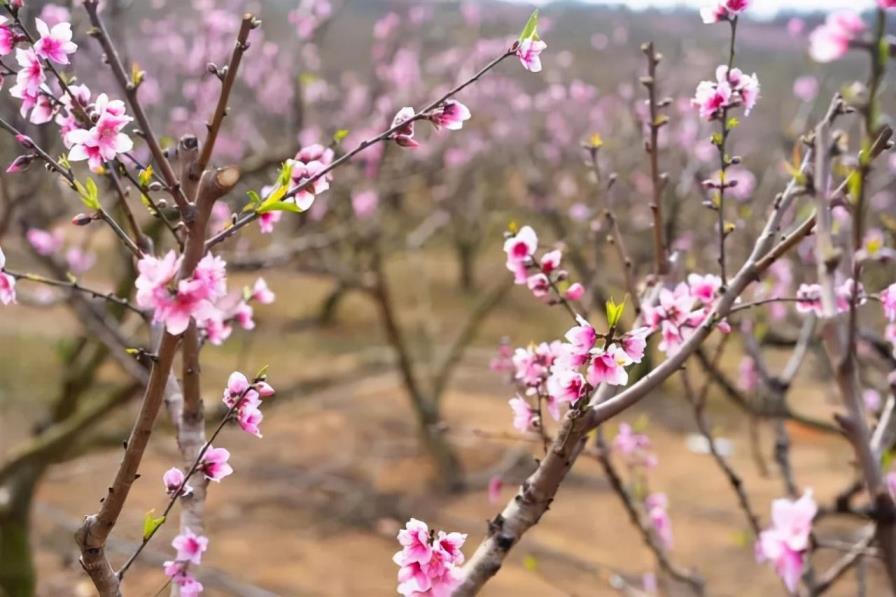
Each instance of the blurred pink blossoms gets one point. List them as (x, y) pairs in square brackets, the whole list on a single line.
[(785, 542), (831, 40)]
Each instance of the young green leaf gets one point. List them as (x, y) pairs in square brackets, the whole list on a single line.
[(530, 31), (151, 523)]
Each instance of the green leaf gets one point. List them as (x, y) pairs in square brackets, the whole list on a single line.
[(340, 135), (530, 31), (278, 206), (150, 524), (854, 183), (89, 194), (614, 312), (733, 123), (254, 198), (285, 174), (273, 199), (262, 373), (145, 176)]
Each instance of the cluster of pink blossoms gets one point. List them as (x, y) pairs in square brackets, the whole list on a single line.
[(539, 276), (564, 372), (104, 140), (809, 297), (308, 164), (428, 561), (7, 283), (55, 44), (682, 310), (190, 548), (634, 448), (246, 398), (731, 89), (786, 541), (175, 302), (450, 114), (202, 297), (831, 40), (723, 10)]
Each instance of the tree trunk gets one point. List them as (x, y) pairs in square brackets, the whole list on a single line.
[(466, 259), (17, 574), (448, 467)]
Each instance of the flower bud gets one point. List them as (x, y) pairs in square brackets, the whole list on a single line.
[(82, 219)]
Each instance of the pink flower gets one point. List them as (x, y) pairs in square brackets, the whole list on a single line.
[(872, 400), (713, 14), (539, 284), (7, 37), (830, 41), (704, 288), (190, 547), (7, 283), (529, 51), (520, 249), (31, 72), (267, 220), (523, 415), (189, 586), (264, 389), (243, 316), (848, 291), (886, 3), (54, 44), (749, 92), (428, 562), (495, 484), (809, 299), (608, 366), (628, 443), (582, 336), (888, 302), (502, 362), (261, 292), (575, 292), (711, 97), (364, 204), (785, 542), (566, 385), (451, 115), (404, 134), (414, 541), (79, 260), (634, 343), (249, 418), (550, 261), (749, 375), (173, 479), (309, 164), (44, 243), (214, 464), (805, 88), (237, 385), (657, 504), (191, 298)]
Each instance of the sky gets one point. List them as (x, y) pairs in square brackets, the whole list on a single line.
[(759, 8)]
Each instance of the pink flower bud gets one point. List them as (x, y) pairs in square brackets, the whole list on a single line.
[(82, 219)]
